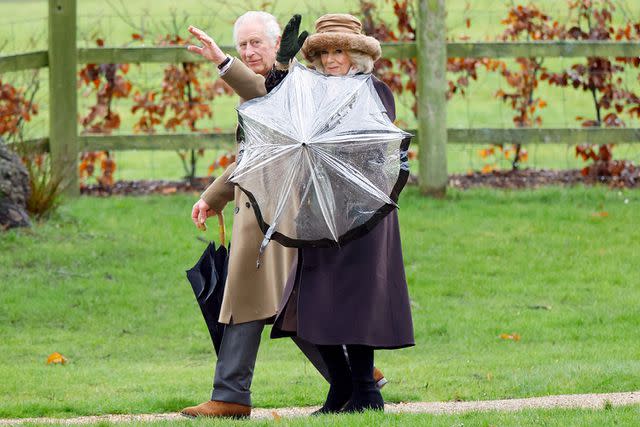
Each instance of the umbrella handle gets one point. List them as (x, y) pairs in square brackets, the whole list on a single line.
[(221, 229)]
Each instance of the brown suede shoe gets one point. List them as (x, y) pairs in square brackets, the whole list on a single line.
[(379, 378), (216, 408)]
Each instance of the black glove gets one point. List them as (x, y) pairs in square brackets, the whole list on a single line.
[(291, 42)]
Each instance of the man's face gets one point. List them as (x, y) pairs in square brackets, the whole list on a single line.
[(255, 48)]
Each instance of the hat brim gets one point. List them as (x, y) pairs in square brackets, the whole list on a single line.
[(318, 42)]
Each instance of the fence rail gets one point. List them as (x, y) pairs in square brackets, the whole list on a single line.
[(175, 54), (455, 136), (24, 61)]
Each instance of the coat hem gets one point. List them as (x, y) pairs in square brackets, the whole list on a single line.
[(278, 333), (268, 320)]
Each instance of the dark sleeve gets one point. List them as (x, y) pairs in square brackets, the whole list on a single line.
[(274, 78), (386, 96)]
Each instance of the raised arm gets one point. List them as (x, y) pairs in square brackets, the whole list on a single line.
[(242, 79)]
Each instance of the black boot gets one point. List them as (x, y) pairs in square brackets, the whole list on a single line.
[(341, 389), (365, 394)]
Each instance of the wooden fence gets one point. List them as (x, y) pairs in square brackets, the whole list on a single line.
[(431, 50)]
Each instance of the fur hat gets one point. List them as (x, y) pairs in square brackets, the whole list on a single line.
[(339, 31)]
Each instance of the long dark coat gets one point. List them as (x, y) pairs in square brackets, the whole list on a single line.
[(356, 294)]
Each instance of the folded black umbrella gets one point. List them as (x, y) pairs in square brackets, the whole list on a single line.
[(207, 280)]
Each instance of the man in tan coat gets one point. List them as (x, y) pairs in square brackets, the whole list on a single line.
[(251, 295)]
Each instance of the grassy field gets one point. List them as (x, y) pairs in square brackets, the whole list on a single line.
[(103, 283)]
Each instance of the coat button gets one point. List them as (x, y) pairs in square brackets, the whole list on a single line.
[(236, 210), (248, 204)]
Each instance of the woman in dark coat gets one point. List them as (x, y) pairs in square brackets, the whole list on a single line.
[(356, 295)]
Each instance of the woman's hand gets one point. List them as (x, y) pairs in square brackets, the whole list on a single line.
[(209, 49), (200, 212), (291, 42)]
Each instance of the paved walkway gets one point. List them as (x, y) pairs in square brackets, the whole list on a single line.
[(592, 401)]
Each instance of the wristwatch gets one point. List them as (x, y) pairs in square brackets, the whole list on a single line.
[(223, 63)]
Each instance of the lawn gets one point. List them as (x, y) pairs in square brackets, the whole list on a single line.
[(103, 283)]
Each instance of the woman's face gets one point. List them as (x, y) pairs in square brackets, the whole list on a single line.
[(336, 62)]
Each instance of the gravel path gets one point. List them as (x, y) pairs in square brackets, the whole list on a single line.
[(592, 401)]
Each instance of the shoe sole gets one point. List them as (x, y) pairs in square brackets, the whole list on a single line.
[(236, 417)]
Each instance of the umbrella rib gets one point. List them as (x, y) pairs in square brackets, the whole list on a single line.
[(241, 171), (324, 208), (348, 99), (286, 188), (377, 138), (268, 127), (361, 180), (282, 197)]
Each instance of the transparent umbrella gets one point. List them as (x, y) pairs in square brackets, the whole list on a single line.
[(320, 159)]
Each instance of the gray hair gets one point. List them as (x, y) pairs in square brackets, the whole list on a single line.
[(271, 26), (362, 61)]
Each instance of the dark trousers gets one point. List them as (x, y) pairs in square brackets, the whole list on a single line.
[(237, 359)]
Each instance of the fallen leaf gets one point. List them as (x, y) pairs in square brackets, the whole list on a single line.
[(602, 214), (513, 337), (56, 358), (169, 190), (276, 416)]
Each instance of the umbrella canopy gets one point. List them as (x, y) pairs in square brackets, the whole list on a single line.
[(320, 160), (207, 279)]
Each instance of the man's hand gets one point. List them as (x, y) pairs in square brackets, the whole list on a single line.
[(200, 212), (209, 49), (291, 42)]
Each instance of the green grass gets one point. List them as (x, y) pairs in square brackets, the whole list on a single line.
[(103, 283)]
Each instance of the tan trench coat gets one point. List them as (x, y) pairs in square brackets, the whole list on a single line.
[(250, 293)]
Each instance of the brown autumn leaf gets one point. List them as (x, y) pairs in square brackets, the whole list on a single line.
[(276, 416), (513, 337), (56, 359), (601, 214)]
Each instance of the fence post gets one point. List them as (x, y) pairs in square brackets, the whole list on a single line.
[(432, 103), (63, 103)]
